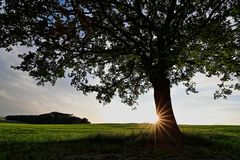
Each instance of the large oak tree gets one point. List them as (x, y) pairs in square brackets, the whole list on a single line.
[(127, 46)]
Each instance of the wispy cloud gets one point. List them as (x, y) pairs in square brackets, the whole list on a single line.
[(19, 94), (4, 94)]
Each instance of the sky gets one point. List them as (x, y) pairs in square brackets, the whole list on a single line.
[(19, 94)]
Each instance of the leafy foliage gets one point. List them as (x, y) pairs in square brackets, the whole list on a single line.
[(116, 47)]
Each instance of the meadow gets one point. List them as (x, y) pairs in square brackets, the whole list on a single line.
[(114, 142)]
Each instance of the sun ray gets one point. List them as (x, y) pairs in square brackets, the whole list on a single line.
[(162, 125)]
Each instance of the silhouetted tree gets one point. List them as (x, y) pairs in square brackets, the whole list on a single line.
[(127, 46), (48, 118)]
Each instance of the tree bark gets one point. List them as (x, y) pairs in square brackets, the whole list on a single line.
[(166, 129)]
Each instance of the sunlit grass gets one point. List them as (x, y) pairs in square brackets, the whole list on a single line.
[(114, 141)]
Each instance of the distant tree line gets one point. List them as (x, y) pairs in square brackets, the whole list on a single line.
[(48, 118)]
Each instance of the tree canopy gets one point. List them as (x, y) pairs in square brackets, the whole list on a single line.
[(117, 47)]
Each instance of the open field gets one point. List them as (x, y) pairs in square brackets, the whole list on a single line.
[(114, 141)]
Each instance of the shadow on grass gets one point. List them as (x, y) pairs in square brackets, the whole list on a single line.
[(120, 147)]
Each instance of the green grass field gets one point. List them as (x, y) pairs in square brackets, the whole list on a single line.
[(114, 142)]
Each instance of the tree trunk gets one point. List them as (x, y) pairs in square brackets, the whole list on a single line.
[(166, 129)]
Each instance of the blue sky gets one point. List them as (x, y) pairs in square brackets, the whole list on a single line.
[(19, 94)]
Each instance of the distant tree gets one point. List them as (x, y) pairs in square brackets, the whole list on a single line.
[(85, 121), (22, 118), (48, 118), (127, 46)]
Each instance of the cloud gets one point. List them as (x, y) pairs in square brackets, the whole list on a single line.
[(19, 94), (4, 94)]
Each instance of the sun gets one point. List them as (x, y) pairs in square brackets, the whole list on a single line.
[(154, 119)]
